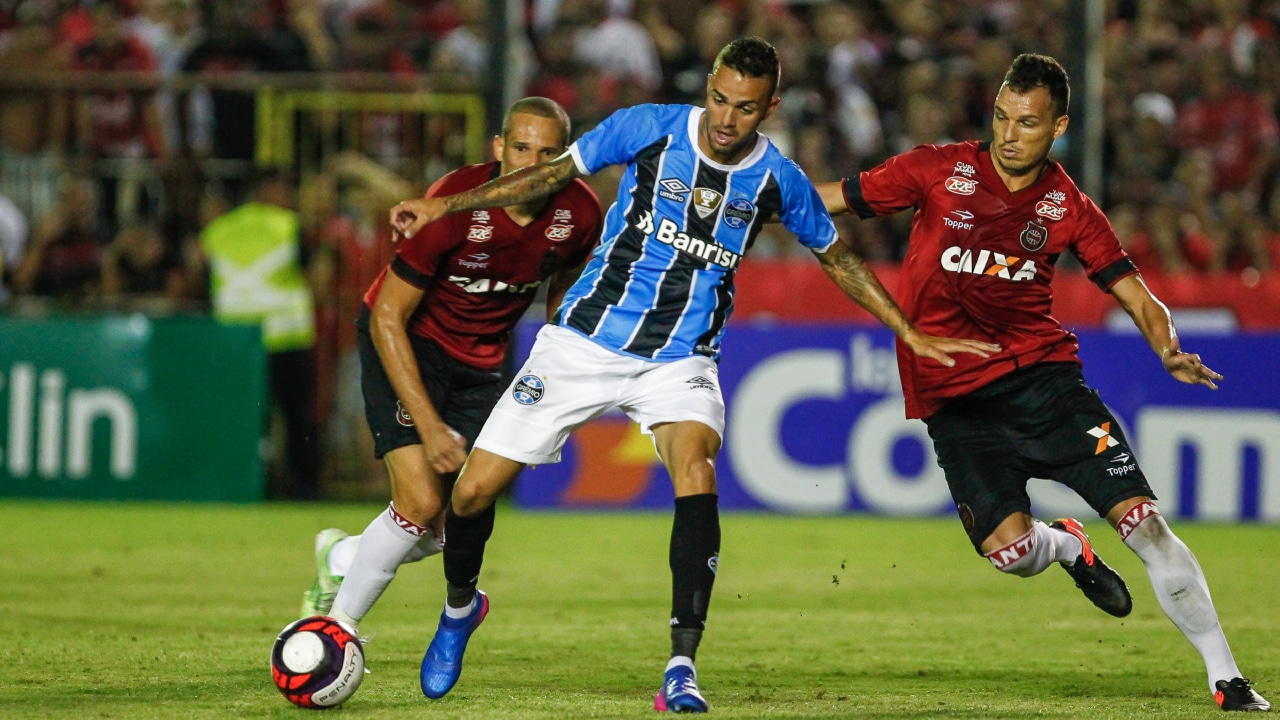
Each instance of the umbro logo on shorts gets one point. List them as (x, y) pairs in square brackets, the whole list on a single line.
[(698, 381), (529, 389)]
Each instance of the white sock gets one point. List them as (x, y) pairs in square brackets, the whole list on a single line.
[(382, 548), (681, 660), (426, 546), (341, 554), (1039, 548), (461, 612), (1180, 587)]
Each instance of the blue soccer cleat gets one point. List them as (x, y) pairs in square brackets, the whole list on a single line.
[(679, 693), (442, 665)]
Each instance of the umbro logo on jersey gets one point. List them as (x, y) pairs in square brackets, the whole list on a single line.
[(957, 260), (673, 189), (698, 382), (706, 201), (1103, 433)]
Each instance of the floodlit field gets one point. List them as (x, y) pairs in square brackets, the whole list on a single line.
[(159, 611)]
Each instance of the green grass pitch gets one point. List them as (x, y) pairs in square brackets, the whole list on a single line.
[(169, 611)]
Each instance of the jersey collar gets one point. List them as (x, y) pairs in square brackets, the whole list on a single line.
[(762, 146)]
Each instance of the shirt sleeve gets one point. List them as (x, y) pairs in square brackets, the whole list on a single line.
[(618, 139), (420, 257), (803, 211), (1098, 248), (896, 184)]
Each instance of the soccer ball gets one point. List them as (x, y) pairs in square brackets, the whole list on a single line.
[(317, 662)]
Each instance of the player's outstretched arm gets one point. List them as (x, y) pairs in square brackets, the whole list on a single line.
[(1153, 319), (521, 186), (832, 194), (862, 286), (446, 449)]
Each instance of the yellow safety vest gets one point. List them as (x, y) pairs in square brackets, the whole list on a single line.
[(256, 276)]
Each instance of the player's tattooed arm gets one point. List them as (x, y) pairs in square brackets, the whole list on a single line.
[(521, 186), (860, 284)]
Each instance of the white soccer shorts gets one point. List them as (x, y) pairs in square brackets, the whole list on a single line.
[(569, 380)]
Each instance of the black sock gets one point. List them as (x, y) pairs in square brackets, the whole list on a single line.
[(695, 552), (464, 552)]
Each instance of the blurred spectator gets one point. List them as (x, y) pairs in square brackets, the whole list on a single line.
[(1238, 129), (34, 125), (257, 271), (616, 46), (13, 241), (63, 259), (117, 123), (137, 267), (221, 120), (685, 67)]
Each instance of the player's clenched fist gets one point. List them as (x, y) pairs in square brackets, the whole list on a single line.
[(409, 216), (446, 449)]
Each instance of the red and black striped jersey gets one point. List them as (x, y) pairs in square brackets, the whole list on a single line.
[(981, 259), (480, 270)]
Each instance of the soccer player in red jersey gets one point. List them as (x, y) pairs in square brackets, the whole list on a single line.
[(990, 221), (432, 337)]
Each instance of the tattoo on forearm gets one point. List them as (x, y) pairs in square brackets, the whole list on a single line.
[(860, 283), (514, 188)]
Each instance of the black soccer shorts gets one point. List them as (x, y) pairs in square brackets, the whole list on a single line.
[(1039, 422), (462, 395)]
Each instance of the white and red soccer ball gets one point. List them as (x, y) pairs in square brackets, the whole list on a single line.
[(317, 662)]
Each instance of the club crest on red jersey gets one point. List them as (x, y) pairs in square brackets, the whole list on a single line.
[(1034, 236), (961, 185)]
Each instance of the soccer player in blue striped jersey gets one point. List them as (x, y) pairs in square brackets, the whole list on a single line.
[(641, 328)]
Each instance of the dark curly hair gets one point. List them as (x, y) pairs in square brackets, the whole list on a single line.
[(1030, 71), (753, 57)]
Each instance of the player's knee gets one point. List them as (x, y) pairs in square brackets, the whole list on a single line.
[(417, 509), (695, 478), (470, 498)]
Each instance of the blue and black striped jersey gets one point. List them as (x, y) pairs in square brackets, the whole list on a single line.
[(660, 285)]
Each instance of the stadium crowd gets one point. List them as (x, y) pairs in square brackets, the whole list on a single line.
[(106, 188)]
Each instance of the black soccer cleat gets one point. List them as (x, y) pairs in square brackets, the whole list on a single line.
[(1103, 586), (1237, 695)]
